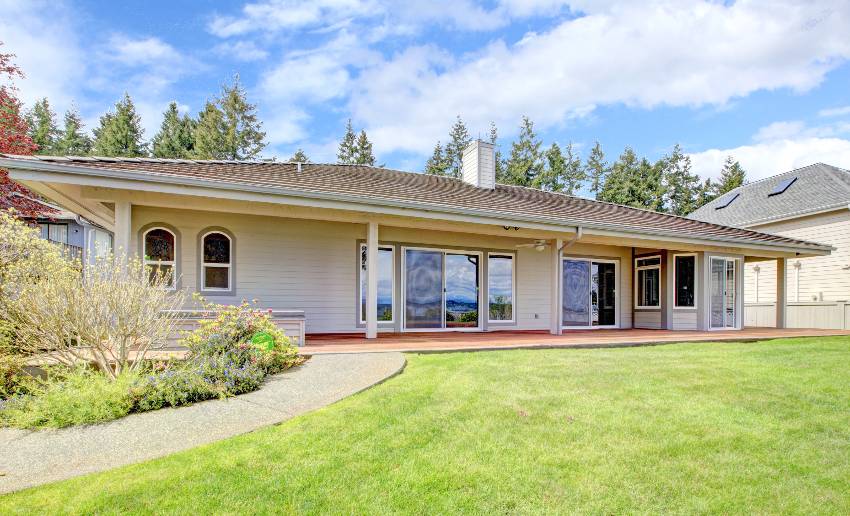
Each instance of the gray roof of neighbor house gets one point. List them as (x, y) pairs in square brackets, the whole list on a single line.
[(816, 188), (380, 186)]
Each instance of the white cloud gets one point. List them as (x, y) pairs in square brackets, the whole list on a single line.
[(838, 111), (45, 43), (645, 55), (780, 147), (242, 51), (144, 51), (280, 15)]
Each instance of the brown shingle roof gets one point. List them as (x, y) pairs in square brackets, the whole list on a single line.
[(378, 185)]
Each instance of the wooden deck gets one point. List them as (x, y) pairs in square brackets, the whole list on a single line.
[(459, 341)]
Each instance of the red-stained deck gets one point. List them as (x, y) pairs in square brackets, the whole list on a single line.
[(460, 341)]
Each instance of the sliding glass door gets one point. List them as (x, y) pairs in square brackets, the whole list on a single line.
[(441, 289), (589, 297), (723, 299)]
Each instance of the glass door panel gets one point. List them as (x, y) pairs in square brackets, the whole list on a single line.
[(423, 289), (576, 295), (729, 301), (462, 291), (718, 272), (604, 292)]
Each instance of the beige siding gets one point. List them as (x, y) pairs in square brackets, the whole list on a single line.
[(822, 277), (648, 319), (293, 264), (684, 319)]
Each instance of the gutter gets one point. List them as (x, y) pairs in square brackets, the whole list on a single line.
[(574, 239), (152, 177)]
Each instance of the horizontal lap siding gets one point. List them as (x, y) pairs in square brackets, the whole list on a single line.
[(650, 320), (822, 275), (684, 319)]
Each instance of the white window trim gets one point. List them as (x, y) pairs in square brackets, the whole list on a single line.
[(696, 290), (360, 276), (637, 277), (228, 265), (172, 263), (512, 320), (445, 251), (739, 294), (590, 300)]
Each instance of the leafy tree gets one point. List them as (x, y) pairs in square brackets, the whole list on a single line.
[(209, 133), (120, 132), (243, 137), (347, 153), (42, 127), (596, 169), (646, 189), (14, 139), (175, 138), (299, 157), (363, 150), (458, 141), (73, 141), (732, 176), (437, 164), (500, 161), (525, 163), (682, 186)]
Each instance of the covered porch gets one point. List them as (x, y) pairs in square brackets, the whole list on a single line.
[(436, 342)]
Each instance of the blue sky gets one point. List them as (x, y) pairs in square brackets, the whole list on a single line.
[(766, 81)]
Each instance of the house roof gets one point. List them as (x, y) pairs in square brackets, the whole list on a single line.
[(380, 186), (817, 188)]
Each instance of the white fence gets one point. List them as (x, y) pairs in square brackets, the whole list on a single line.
[(832, 315)]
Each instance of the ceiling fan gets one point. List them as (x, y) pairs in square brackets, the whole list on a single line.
[(538, 245)]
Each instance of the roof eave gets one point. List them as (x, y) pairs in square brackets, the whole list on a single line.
[(597, 228)]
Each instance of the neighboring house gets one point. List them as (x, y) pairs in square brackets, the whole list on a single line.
[(79, 238), (362, 249), (810, 203)]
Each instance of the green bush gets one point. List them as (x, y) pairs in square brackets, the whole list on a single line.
[(76, 397)]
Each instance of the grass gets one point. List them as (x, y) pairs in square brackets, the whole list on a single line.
[(705, 428)]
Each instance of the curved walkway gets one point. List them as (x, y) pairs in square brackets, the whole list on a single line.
[(29, 458)]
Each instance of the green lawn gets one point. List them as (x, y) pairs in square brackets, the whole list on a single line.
[(719, 428)]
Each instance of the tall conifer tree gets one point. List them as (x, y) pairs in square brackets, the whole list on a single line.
[(526, 160), (120, 132), (347, 153), (73, 141), (175, 138), (42, 127), (458, 141)]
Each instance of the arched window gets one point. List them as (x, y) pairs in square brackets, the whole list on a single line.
[(160, 253), (216, 268)]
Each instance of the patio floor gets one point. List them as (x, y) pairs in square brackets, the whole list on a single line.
[(459, 341)]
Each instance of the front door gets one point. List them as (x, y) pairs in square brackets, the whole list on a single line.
[(589, 297), (723, 299), (441, 290)]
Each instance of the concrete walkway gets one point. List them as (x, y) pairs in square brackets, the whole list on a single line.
[(29, 458)]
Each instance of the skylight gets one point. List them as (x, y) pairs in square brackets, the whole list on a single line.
[(726, 201), (781, 187)]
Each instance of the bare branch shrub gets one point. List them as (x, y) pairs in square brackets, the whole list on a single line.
[(112, 315)]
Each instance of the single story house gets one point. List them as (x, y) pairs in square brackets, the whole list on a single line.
[(362, 249), (810, 203)]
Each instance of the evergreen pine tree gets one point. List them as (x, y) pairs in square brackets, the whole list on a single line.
[(616, 187), (243, 137), (646, 187), (500, 162), (436, 164), (299, 157), (363, 150), (707, 192), (347, 153), (73, 141), (551, 177), (120, 132), (175, 138), (42, 127), (682, 186), (526, 160), (596, 169), (458, 140), (732, 176), (209, 133)]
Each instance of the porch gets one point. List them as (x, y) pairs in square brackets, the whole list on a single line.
[(456, 341)]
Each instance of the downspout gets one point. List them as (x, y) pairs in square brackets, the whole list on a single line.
[(574, 239)]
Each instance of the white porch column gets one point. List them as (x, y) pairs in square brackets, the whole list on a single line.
[(123, 232), (555, 280), (781, 295), (372, 281)]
